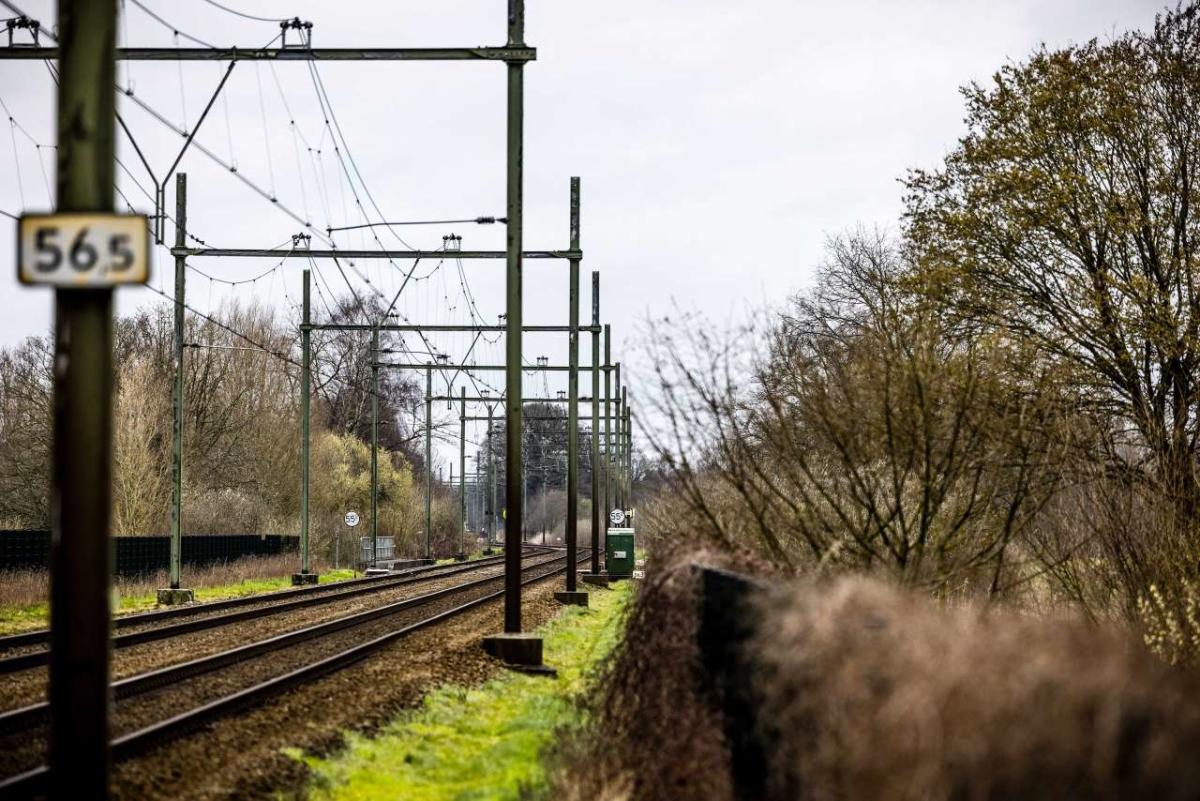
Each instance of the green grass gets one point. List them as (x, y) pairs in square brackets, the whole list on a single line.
[(480, 744), (15, 619), (132, 603)]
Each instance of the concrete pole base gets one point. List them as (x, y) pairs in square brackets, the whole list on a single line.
[(596, 579), (300, 579), (460, 557), (515, 649), (571, 598), (171, 597), (408, 564)]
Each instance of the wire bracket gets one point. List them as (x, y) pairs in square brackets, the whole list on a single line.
[(23, 23), (303, 30)]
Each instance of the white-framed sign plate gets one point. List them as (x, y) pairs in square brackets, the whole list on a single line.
[(87, 250)]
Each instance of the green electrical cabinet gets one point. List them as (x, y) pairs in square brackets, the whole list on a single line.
[(618, 553)]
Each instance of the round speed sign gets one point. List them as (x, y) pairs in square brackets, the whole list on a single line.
[(351, 519), (616, 517)]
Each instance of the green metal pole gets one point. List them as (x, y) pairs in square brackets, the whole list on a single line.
[(615, 452), (513, 308), (619, 432), (462, 474), (573, 397), (305, 424), (177, 399), (597, 512), (624, 447), (428, 464), (493, 512), (608, 491), (628, 456), (525, 473), (374, 447), (81, 472)]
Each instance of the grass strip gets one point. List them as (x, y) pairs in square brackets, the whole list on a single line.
[(471, 744), (15, 619)]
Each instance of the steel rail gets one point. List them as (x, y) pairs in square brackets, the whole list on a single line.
[(136, 742), (17, 662), (15, 720), (126, 621)]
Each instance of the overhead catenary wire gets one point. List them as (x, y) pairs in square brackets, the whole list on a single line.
[(280, 355), (243, 14), (465, 221), (323, 100), (175, 30), (330, 117), (351, 172), (15, 126), (262, 107), (217, 159), (128, 91), (17, 161)]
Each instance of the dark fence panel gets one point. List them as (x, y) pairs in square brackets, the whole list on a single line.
[(729, 619), (24, 550), (137, 555)]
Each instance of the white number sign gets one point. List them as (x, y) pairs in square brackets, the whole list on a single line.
[(351, 519), (616, 517), (84, 250)]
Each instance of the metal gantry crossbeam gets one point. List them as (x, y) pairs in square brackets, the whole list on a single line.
[(527, 368), (512, 55), (469, 329), (392, 255)]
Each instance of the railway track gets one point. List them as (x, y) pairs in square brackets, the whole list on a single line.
[(158, 684), (161, 624)]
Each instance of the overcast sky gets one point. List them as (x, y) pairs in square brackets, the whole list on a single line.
[(719, 143)]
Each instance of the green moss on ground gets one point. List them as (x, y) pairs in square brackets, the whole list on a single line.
[(482, 743), (15, 619)]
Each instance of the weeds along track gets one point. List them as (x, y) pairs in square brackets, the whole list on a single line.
[(19, 651), (147, 710)]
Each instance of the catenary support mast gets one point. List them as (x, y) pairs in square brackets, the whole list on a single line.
[(81, 472)]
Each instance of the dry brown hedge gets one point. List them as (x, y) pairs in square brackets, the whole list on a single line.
[(881, 694), (872, 692)]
